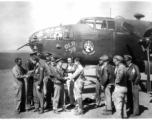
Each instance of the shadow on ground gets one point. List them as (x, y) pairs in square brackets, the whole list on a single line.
[(142, 109), (90, 107), (89, 90)]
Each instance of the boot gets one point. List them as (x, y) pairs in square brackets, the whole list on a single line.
[(79, 112), (80, 107), (96, 106), (105, 109), (76, 106), (56, 112), (41, 111), (36, 110), (108, 112)]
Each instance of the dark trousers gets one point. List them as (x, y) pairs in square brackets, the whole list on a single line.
[(27, 105), (30, 90), (108, 96), (98, 93), (133, 98), (38, 96), (49, 85), (58, 96)]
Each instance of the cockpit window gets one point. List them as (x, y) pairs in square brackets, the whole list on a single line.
[(68, 33), (101, 24), (52, 34), (111, 25), (38, 36), (56, 33)]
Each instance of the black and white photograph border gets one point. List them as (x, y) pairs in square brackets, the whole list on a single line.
[(79, 31)]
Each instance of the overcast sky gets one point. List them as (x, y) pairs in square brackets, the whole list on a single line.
[(20, 19)]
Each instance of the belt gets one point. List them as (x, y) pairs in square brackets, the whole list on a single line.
[(60, 84)]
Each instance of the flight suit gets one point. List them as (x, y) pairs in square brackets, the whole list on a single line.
[(120, 91), (29, 66), (18, 74), (70, 83), (133, 90), (78, 77), (98, 85), (38, 93), (59, 81), (108, 80)]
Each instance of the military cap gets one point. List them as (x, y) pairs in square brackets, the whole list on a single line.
[(58, 60), (35, 56), (118, 57), (48, 54), (34, 53), (105, 58), (127, 57), (77, 60)]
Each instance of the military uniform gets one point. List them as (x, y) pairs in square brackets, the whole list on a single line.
[(38, 88), (133, 90), (29, 66), (59, 81), (98, 85), (108, 80), (120, 91), (48, 83), (70, 83), (18, 74), (78, 77)]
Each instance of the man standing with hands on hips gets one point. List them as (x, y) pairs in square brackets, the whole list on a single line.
[(132, 85), (107, 82)]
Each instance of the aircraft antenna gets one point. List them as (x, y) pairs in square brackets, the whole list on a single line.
[(110, 12)]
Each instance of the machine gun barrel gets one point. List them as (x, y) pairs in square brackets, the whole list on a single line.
[(27, 44)]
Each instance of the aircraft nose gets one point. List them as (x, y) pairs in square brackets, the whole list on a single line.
[(37, 47), (40, 47)]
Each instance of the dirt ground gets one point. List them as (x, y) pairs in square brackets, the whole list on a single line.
[(7, 103)]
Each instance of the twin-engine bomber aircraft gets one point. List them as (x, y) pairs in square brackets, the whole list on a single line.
[(92, 37)]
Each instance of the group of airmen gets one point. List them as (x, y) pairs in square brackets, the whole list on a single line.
[(120, 86), (42, 84)]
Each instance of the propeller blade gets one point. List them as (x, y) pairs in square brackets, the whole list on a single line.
[(130, 29), (27, 44)]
